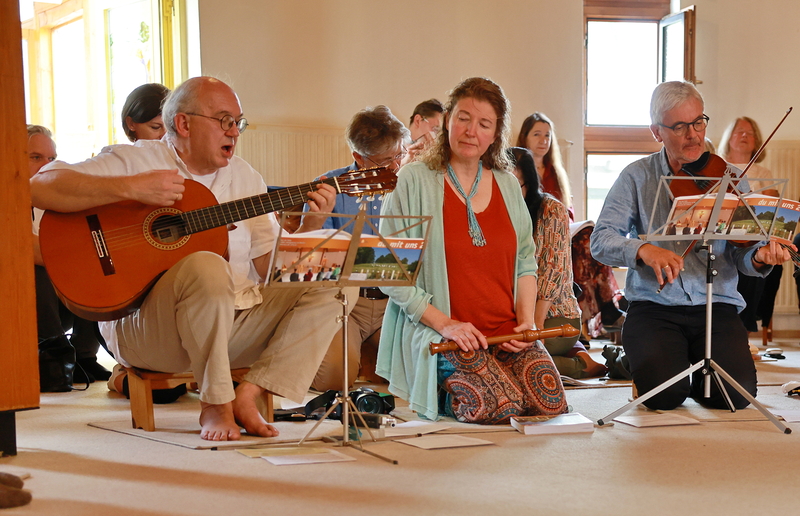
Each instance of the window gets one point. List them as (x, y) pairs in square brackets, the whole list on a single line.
[(621, 71), (70, 102), (601, 172), (82, 59), (630, 48)]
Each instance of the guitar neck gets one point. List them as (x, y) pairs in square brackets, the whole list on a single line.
[(249, 207)]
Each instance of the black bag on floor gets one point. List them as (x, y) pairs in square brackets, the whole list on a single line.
[(56, 364), (616, 362)]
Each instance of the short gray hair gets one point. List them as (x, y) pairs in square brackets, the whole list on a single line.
[(39, 129), (374, 130), (669, 95), (182, 99)]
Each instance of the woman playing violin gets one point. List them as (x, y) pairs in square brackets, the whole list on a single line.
[(664, 333)]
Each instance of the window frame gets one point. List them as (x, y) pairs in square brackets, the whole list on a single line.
[(607, 139), (37, 32)]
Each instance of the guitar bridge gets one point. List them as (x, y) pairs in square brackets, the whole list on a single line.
[(96, 230)]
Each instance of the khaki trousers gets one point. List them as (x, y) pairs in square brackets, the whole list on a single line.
[(188, 323), (363, 325)]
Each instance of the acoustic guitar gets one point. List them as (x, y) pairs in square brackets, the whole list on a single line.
[(103, 261)]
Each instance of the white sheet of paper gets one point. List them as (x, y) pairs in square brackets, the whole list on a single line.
[(656, 420), (319, 456), (415, 428), (435, 442), (287, 404), (790, 416)]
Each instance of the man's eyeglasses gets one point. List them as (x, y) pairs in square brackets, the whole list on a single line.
[(226, 122), (389, 161), (680, 128), (434, 128)]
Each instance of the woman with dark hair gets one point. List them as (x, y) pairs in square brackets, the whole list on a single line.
[(141, 113), (477, 279), (556, 304)]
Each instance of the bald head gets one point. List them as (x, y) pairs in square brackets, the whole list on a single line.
[(195, 95)]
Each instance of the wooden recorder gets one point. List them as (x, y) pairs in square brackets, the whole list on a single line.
[(566, 330)]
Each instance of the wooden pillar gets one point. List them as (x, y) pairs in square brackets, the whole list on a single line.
[(19, 366)]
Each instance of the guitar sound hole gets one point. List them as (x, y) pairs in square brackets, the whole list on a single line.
[(168, 229)]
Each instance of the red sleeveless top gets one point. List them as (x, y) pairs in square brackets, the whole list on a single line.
[(481, 279)]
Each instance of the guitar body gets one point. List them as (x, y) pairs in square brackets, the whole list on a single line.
[(103, 261)]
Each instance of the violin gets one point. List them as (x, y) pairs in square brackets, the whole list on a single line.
[(708, 165)]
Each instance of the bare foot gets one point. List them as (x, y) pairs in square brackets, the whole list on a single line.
[(246, 411), (592, 368), (217, 423)]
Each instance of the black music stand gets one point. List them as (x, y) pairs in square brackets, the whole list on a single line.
[(707, 366), (359, 268)]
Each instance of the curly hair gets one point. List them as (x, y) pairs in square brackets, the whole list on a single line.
[(480, 88)]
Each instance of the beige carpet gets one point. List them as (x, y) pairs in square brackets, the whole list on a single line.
[(722, 467), (184, 430)]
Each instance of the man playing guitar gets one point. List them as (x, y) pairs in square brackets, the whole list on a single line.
[(206, 314)]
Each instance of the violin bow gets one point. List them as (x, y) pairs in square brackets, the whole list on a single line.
[(763, 145)]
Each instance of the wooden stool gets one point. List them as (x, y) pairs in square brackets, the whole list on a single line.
[(766, 334), (141, 383)]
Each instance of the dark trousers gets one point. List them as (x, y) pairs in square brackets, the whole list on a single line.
[(54, 319), (661, 341)]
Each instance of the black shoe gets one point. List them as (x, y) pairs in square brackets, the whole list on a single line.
[(93, 370)]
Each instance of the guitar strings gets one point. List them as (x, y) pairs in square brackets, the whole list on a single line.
[(213, 216)]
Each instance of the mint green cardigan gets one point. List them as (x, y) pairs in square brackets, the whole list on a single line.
[(403, 355)]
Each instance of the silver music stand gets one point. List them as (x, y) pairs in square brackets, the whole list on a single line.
[(356, 272), (708, 367)]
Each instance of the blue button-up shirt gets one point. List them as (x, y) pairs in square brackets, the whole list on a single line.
[(349, 205), (626, 215)]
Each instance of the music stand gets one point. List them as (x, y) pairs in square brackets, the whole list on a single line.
[(708, 367), (356, 255)]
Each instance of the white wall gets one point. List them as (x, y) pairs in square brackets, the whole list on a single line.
[(747, 59), (317, 62)]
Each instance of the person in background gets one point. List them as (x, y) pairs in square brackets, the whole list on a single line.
[(599, 309), (665, 328), (478, 277), (424, 125), (739, 143), (142, 120), (206, 314), (426, 121), (141, 113), (538, 135), (376, 138), (54, 321), (556, 304)]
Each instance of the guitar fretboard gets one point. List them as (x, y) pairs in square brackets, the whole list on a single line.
[(249, 207)]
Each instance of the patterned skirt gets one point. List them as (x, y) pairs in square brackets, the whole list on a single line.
[(489, 386)]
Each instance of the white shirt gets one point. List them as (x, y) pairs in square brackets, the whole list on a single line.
[(251, 238)]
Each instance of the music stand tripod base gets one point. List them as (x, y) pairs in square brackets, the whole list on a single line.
[(343, 398)]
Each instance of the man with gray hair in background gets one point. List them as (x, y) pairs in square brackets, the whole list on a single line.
[(205, 314), (664, 331), (376, 139)]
